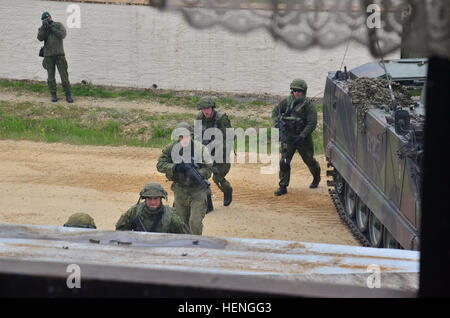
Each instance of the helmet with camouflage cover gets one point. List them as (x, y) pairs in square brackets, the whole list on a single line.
[(184, 125), (206, 102), (80, 220), (153, 190), (299, 84)]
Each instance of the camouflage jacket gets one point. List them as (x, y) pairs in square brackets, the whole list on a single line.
[(303, 117), (170, 221), (54, 39), (165, 165), (218, 120)]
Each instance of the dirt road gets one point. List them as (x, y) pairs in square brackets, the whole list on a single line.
[(45, 183)]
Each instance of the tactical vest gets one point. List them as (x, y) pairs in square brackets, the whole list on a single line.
[(165, 221)]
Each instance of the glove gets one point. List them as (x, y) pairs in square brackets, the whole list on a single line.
[(180, 168), (47, 24)]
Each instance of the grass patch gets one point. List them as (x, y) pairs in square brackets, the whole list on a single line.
[(108, 126)]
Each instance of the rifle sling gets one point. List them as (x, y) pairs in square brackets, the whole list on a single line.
[(158, 219), (154, 225)]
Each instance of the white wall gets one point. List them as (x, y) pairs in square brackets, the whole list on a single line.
[(139, 46)]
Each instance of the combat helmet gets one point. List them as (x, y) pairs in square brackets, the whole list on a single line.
[(45, 15), (299, 84), (82, 220), (206, 102), (153, 190), (183, 125)]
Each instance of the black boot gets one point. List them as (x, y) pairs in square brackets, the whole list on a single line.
[(315, 182), (69, 98), (281, 190), (227, 197), (210, 204), (54, 98)]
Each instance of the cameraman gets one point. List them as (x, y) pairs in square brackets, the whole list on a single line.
[(53, 34)]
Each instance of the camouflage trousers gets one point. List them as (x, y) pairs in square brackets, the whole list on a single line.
[(306, 151), (191, 207), (220, 170), (50, 63)]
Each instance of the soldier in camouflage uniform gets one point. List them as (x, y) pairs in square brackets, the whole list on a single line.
[(211, 118), (301, 119), (82, 220), (151, 215), (53, 34), (190, 196)]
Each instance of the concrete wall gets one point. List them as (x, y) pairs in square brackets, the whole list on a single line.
[(140, 46)]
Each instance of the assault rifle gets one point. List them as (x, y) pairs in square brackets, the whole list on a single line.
[(138, 225), (282, 128), (193, 173)]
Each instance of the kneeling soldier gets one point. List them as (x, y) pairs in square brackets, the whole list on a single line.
[(82, 220), (151, 215)]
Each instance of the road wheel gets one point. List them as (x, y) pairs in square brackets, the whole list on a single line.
[(388, 240), (350, 198), (362, 216), (375, 231), (339, 184)]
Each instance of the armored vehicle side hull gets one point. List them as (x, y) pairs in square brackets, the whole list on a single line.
[(376, 179)]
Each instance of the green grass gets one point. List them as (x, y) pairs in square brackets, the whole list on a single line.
[(108, 126), (162, 97)]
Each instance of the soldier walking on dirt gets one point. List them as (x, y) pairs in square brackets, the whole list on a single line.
[(300, 118), (151, 215), (213, 119), (53, 33), (190, 195)]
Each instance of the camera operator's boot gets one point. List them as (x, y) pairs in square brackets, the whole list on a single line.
[(210, 204), (54, 98), (315, 182), (281, 190), (69, 98), (227, 197)]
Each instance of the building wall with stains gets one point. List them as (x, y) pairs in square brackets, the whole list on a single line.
[(138, 46)]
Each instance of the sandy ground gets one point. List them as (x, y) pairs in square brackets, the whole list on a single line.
[(44, 184)]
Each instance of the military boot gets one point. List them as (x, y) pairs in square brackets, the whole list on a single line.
[(210, 204), (281, 190), (69, 98), (227, 197), (54, 98), (315, 182)]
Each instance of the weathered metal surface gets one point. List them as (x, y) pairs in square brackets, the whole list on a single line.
[(280, 260)]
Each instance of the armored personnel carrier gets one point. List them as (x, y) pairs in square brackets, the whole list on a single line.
[(373, 142)]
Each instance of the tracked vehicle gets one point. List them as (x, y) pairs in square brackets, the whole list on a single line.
[(373, 142)]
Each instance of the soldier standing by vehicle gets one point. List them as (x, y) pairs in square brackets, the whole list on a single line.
[(300, 118), (181, 160), (151, 215), (53, 33), (213, 119)]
